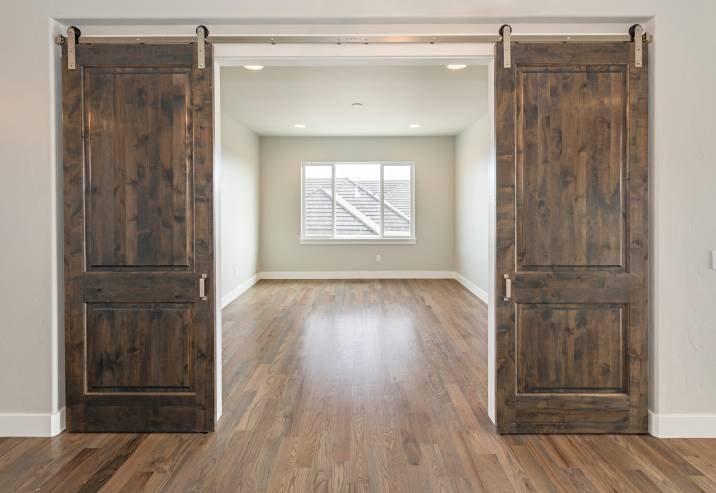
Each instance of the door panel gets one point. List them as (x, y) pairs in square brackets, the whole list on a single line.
[(570, 175), (139, 164), (137, 129), (572, 215), (570, 348), (139, 347)]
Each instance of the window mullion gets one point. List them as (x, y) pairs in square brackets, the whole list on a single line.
[(412, 200), (382, 201), (303, 193), (333, 187)]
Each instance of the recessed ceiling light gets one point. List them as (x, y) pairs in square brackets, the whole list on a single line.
[(414, 125), (456, 66), (254, 67), (300, 125)]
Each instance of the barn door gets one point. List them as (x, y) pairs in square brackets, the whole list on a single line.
[(139, 337), (572, 239)]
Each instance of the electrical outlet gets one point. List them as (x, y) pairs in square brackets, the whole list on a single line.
[(236, 273), (378, 258)]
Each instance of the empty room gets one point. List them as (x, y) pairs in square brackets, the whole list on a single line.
[(321, 246), (348, 193)]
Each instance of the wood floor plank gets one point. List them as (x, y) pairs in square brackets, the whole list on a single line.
[(355, 386)]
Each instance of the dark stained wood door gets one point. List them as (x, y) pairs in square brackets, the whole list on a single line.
[(572, 218), (139, 340)]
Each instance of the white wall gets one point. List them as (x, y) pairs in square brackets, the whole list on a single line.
[(239, 205), (683, 172), (683, 228), (281, 159), (472, 205)]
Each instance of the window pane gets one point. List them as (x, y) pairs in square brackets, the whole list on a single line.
[(317, 201), (358, 200), (398, 206)]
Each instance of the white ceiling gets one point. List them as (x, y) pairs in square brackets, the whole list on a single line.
[(271, 101)]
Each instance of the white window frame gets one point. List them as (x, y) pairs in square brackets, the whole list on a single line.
[(357, 240)]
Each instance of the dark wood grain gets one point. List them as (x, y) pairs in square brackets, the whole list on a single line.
[(570, 178), (139, 347), (138, 181), (140, 167), (572, 216), (584, 344), (356, 386)]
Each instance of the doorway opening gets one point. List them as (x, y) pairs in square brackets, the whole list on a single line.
[(353, 162)]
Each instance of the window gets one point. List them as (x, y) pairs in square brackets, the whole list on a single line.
[(357, 202)]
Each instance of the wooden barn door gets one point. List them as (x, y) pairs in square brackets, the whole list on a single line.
[(572, 239), (139, 337)]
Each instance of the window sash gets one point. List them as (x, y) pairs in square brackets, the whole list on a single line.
[(412, 200), (334, 194)]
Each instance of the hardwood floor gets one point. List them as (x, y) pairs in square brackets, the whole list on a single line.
[(350, 386)]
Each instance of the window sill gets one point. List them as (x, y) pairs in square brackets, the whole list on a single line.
[(357, 241)]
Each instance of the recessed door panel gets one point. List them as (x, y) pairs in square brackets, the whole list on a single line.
[(570, 175), (139, 167), (139, 347), (570, 348)]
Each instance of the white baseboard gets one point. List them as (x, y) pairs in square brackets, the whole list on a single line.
[(32, 425), (472, 287), (239, 290), (360, 274), (682, 425)]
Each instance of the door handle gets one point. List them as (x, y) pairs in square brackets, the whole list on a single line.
[(202, 287), (508, 288)]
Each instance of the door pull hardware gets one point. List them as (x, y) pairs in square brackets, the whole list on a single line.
[(202, 287), (506, 32), (201, 33), (508, 288)]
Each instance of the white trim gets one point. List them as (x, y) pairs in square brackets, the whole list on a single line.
[(682, 425), (32, 425), (491, 248), (57, 238), (357, 241), (218, 331), (360, 274), (472, 287), (238, 290), (349, 54)]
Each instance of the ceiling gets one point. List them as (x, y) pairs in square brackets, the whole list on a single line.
[(271, 101)]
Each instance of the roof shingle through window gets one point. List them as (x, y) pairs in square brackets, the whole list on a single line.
[(357, 207)]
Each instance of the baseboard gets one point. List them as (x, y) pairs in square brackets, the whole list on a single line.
[(32, 425), (682, 425), (472, 287), (239, 290), (360, 274)]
